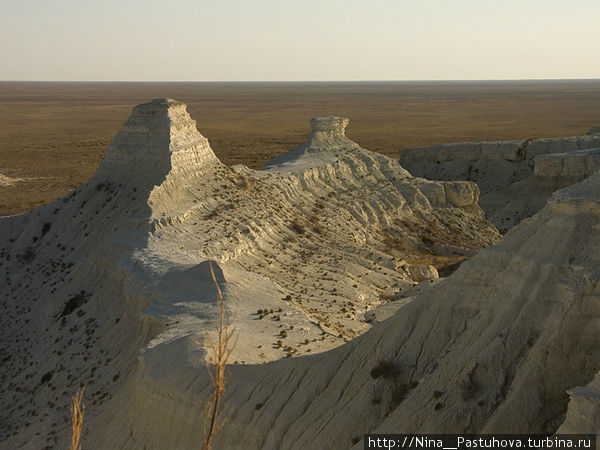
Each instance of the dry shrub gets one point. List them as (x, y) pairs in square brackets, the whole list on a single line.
[(220, 350), (387, 297), (385, 369), (77, 410), (242, 182), (297, 227), (318, 229)]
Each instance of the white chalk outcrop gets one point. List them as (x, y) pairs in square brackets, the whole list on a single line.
[(567, 168), (494, 348), (492, 165), (507, 344), (583, 414), (515, 177), (110, 286)]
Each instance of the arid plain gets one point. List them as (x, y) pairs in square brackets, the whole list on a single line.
[(54, 135)]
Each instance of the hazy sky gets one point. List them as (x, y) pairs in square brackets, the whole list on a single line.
[(198, 40)]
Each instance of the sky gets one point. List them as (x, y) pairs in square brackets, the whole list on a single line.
[(292, 40)]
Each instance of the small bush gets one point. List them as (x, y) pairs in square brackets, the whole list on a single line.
[(73, 303), (297, 227), (387, 297), (398, 394), (385, 369), (46, 377), (469, 388), (318, 229), (242, 182), (46, 227), (27, 256)]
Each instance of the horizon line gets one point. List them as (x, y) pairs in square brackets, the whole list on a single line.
[(307, 81)]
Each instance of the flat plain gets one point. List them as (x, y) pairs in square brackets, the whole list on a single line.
[(54, 135)]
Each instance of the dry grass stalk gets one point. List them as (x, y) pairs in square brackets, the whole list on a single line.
[(77, 410), (221, 349)]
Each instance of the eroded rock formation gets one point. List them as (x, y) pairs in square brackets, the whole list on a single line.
[(515, 177), (110, 286), (494, 348)]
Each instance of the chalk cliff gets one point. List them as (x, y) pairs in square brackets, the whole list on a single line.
[(110, 286), (507, 344), (515, 177)]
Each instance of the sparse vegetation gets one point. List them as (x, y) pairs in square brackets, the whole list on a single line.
[(220, 349), (46, 377), (73, 303), (318, 228), (385, 369), (242, 182), (27, 256), (387, 297), (468, 387), (297, 227), (46, 227), (398, 394), (77, 410)]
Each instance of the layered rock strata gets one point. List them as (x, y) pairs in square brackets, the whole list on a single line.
[(507, 344), (492, 165), (515, 177), (110, 287)]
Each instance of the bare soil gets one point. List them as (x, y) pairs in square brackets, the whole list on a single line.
[(54, 135)]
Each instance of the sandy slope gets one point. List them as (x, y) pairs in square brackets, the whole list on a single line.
[(109, 287)]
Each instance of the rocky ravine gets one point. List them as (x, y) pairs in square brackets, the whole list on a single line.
[(110, 287)]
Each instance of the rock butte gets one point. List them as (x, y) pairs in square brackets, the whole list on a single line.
[(110, 287)]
